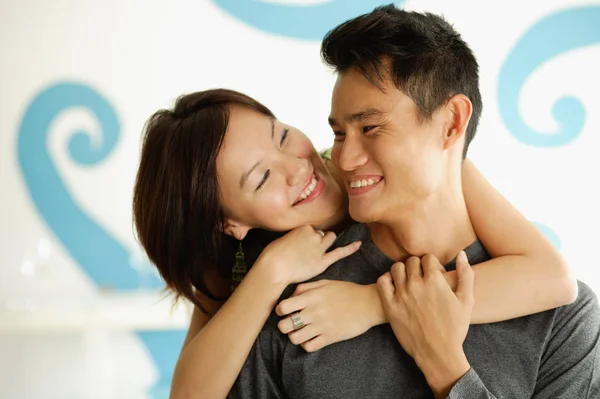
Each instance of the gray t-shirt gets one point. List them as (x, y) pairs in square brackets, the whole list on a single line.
[(552, 354)]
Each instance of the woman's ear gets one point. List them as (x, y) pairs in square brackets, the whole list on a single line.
[(235, 229)]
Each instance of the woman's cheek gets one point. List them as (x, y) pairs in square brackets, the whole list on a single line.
[(304, 147), (274, 205)]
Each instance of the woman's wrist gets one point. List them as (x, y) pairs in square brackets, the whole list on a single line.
[(376, 315), (268, 276)]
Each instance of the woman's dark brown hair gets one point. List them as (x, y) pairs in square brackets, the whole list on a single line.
[(176, 207)]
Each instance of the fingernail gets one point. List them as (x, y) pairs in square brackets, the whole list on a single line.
[(462, 256)]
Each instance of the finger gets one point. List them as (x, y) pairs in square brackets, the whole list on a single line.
[(413, 268), (398, 272), (319, 342), (466, 277), (327, 239), (340, 253), (386, 287), (302, 288), (286, 326), (292, 304), (302, 335), (431, 266)]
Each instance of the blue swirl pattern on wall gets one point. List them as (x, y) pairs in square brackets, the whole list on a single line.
[(309, 22), (557, 33), (550, 234), (102, 257), (164, 347)]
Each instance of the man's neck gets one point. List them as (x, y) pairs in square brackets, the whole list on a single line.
[(439, 226)]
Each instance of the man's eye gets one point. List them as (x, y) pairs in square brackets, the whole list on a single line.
[(366, 129), (263, 180), (338, 136)]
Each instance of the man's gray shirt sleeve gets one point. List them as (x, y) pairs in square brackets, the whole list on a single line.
[(470, 386), (566, 371)]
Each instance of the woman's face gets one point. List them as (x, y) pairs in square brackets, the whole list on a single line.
[(271, 177)]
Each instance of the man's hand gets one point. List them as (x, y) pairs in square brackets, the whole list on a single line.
[(430, 320)]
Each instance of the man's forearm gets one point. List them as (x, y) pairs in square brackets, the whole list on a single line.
[(452, 377), (443, 373)]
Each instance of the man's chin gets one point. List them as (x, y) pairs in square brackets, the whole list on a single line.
[(362, 214)]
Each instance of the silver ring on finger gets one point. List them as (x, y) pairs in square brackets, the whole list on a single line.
[(320, 232), (297, 322)]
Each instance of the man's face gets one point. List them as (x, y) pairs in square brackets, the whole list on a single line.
[(392, 161)]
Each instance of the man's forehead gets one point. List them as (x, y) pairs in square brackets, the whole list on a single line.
[(354, 100), (355, 82)]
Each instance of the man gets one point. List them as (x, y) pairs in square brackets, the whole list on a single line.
[(404, 109)]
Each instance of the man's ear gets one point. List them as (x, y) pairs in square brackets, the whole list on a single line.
[(235, 229), (459, 109)]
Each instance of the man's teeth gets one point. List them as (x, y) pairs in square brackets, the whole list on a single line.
[(363, 183), (309, 189)]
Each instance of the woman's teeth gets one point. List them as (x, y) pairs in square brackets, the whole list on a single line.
[(309, 189)]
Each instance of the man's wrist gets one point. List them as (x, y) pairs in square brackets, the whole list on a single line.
[(444, 374)]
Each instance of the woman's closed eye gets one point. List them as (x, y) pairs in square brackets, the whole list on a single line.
[(367, 129), (283, 136), (263, 180)]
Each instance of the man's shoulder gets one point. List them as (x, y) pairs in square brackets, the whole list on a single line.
[(585, 306), (363, 266), (585, 292), (356, 232), (586, 299)]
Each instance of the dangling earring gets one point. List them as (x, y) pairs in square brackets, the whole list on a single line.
[(239, 268)]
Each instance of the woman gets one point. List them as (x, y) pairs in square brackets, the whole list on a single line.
[(219, 167)]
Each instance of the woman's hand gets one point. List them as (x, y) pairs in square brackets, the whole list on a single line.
[(301, 255), (332, 311)]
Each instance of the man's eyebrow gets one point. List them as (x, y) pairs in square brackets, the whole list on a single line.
[(360, 116), (245, 176)]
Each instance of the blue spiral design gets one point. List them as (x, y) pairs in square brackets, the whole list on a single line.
[(550, 234), (164, 348), (310, 22), (102, 257), (557, 33)]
